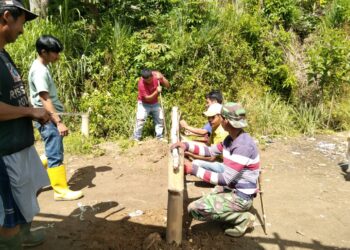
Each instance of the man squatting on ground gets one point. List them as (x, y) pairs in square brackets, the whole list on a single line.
[(239, 171), (21, 171), (43, 93), (149, 87), (202, 134)]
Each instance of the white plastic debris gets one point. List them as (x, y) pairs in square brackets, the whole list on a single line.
[(324, 146), (82, 211), (81, 207), (136, 213), (50, 225), (299, 232)]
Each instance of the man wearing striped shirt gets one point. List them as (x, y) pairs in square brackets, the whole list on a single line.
[(238, 173)]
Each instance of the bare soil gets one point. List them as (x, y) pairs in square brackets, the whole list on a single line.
[(306, 199)]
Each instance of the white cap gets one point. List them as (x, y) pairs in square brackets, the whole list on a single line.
[(213, 110)]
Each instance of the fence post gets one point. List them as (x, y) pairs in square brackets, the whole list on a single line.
[(85, 124), (175, 185)]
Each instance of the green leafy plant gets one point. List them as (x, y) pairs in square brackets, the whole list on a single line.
[(283, 13), (338, 14), (246, 51), (328, 61)]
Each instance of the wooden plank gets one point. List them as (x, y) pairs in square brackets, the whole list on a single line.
[(176, 175), (348, 154), (174, 135), (175, 214), (175, 185), (175, 167)]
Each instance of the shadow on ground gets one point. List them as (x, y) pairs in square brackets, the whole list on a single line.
[(84, 176), (85, 229), (345, 170), (91, 227)]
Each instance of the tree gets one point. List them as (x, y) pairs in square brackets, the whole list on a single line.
[(39, 7)]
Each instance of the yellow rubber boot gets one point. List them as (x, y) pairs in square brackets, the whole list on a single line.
[(44, 161), (58, 181)]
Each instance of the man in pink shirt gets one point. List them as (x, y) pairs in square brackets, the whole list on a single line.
[(149, 87)]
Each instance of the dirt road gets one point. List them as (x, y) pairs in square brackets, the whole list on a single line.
[(306, 198)]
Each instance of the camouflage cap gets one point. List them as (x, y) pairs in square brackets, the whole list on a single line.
[(235, 114)]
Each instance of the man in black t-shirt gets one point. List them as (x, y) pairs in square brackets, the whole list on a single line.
[(22, 174)]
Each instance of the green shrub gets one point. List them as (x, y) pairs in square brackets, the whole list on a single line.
[(341, 115), (199, 46), (269, 115), (283, 13), (328, 63), (338, 14), (112, 115)]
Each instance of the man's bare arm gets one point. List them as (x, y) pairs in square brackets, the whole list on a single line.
[(9, 112), (48, 105), (196, 131)]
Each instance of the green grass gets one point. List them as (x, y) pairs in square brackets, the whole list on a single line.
[(309, 119), (77, 144), (269, 115)]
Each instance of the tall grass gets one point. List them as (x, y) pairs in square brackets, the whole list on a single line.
[(309, 119), (269, 115), (338, 14)]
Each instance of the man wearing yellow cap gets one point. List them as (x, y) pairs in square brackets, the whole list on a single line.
[(217, 135)]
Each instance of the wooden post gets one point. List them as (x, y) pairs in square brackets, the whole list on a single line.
[(39, 7), (175, 185), (348, 153), (262, 203), (85, 124), (261, 5)]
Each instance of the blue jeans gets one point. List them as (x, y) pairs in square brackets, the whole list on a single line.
[(143, 111), (215, 166), (53, 143)]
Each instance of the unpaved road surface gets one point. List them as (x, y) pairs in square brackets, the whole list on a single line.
[(306, 198)]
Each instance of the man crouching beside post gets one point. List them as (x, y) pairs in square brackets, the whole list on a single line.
[(239, 175)]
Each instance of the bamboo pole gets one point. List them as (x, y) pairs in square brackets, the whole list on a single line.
[(348, 153), (262, 203), (175, 185)]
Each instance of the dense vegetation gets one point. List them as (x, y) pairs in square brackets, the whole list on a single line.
[(287, 61)]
